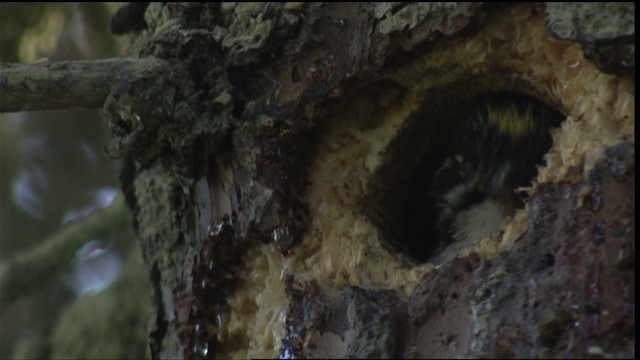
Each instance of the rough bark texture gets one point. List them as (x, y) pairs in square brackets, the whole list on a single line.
[(552, 294), (230, 169), (543, 298), (605, 31)]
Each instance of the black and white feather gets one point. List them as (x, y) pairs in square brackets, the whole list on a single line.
[(494, 149)]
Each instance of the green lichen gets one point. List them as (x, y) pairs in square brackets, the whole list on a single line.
[(590, 22), (258, 199), (248, 33), (163, 221), (401, 16), (405, 19)]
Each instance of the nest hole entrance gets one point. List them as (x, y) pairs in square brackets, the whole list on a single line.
[(405, 197)]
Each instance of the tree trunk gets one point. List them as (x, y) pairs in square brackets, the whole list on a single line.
[(274, 169), (268, 171)]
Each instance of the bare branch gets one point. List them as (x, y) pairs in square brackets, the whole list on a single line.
[(28, 271), (48, 85)]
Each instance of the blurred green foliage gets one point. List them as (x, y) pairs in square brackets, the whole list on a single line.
[(58, 31), (65, 31)]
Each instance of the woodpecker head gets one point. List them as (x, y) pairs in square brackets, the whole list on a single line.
[(494, 149)]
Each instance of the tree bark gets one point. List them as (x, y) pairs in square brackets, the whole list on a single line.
[(269, 168), (263, 88)]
